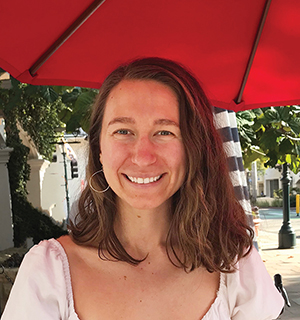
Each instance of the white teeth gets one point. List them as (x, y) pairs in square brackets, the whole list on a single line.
[(143, 181), (140, 180)]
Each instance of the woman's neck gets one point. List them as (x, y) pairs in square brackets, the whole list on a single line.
[(142, 231)]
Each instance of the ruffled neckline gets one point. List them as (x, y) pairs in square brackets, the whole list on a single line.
[(211, 314)]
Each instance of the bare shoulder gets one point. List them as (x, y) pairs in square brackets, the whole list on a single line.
[(70, 247), (66, 242), (77, 253)]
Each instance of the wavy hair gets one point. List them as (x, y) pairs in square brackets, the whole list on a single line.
[(208, 227)]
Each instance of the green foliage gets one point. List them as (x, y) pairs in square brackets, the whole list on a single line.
[(42, 112), (28, 221), (35, 109), (295, 190), (246, 127), (277, 203), (31, 222), (260, 167), (18, 168), (79, 102), (278, 194), (293, 200), (272, 135), (262, 204)]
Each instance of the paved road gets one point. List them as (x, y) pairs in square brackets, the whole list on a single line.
[(283, 261), (276, 213)]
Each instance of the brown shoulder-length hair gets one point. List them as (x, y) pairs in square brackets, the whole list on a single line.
[(208, 227)]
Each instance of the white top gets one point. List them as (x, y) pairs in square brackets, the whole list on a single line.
[(43, 289)]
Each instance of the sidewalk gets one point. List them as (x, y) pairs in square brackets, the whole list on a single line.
[(283, 261)]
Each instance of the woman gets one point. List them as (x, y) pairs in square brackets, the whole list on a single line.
[(159, 233)]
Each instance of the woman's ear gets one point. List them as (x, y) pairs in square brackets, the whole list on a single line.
[(100, 157)]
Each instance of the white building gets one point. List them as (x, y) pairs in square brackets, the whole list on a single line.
[(265, 183), (51, 195), (6, 231), (47, 184)]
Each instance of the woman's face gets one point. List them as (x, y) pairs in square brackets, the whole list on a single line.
[(142, 152)]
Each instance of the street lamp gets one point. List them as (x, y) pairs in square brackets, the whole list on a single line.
[(286, 235), (63, 152), (74, 172)]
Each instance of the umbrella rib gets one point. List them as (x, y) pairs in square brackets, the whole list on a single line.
[(253, 51), (65, 36)]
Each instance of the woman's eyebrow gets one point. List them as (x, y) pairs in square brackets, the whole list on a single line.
[(121, 120), (167, 122)]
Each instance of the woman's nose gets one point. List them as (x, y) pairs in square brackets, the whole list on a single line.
[(144, 153)]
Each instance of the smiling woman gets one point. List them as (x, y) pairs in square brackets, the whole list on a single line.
[(141, 139), (159, 233)]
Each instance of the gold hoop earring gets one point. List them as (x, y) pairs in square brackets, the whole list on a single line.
[(90, 182)]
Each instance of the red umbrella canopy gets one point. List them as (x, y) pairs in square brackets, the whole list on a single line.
[(78, 43)]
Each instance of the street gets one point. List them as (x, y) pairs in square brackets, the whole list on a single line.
[(283, 261)]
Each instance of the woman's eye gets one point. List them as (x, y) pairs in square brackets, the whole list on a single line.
[(122, 132), (165, 133)]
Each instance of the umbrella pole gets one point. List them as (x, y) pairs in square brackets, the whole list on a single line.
[(286, 236), (253, 51), (65, 36)]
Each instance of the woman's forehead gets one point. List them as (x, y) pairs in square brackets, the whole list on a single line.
[(132, 97)]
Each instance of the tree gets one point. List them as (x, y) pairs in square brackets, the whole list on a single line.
[(43, 112), (272, 135), (79, 102), (36, 109)]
